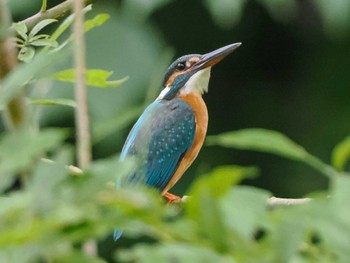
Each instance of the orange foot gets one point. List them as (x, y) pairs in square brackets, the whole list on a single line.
[(171, 198)]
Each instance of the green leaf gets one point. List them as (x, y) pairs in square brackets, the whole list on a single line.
[(94, 77), (222, 178), (341, 154), (326, 219), (204, 209), (203, 206), (98, 20), (80, 257), (26, 54), (341, 195), (331, 219), (270, 142), (13, 83), (174, 252), (61, 102), (63, 27), (21, 29), (295, 230), (46, 176), (40, 36), (19, 41), (44, 42), (260, 140), (244, 210), (66, 23), (19, 150), (39, 26)]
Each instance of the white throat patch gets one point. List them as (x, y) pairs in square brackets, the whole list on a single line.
[(163, 93), (197, 83)]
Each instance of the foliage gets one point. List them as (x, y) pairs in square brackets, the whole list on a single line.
[(271, 142), (220, 221), (94, 77), (227, 13), (54, 212), (27, 41), (341, 154)]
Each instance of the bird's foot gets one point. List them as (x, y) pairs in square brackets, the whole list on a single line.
[(171, 197)]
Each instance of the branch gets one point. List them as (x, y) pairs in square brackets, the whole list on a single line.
[(15, 112), (81, 113), (55, 12), (73, 170), (272, 202), (8, 51)]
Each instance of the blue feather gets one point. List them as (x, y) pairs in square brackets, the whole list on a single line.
[(159, 140), (117, 234)]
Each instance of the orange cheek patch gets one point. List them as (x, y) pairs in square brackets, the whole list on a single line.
[(189, 65), (174, 75), (171, 79)]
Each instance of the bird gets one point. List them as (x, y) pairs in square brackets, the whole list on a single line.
[(169, 134)]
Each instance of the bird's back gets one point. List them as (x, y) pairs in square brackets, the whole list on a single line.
[(160, 138)]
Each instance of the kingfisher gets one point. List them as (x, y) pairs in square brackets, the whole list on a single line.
[(168, 135)]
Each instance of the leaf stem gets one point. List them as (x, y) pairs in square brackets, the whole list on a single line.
[(43, 6), (272, 202)]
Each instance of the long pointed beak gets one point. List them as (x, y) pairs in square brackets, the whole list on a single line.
[(214, 57)]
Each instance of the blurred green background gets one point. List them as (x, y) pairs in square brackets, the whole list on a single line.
[(291, 74)]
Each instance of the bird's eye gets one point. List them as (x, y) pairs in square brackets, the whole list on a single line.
[(180, 66)]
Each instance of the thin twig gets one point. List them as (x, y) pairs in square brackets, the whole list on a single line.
[(81, 116), (73, 170), (272, 202), (54, 12)]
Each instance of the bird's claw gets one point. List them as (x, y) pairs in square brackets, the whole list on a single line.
[(171, 197)]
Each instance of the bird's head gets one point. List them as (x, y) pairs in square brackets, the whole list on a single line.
[(191, 73)]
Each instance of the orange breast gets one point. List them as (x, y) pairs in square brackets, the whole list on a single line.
[(201, 117)]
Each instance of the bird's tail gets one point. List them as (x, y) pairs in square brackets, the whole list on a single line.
[(117, 234)]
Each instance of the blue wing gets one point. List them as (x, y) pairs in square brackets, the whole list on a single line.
[(159, 140)]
